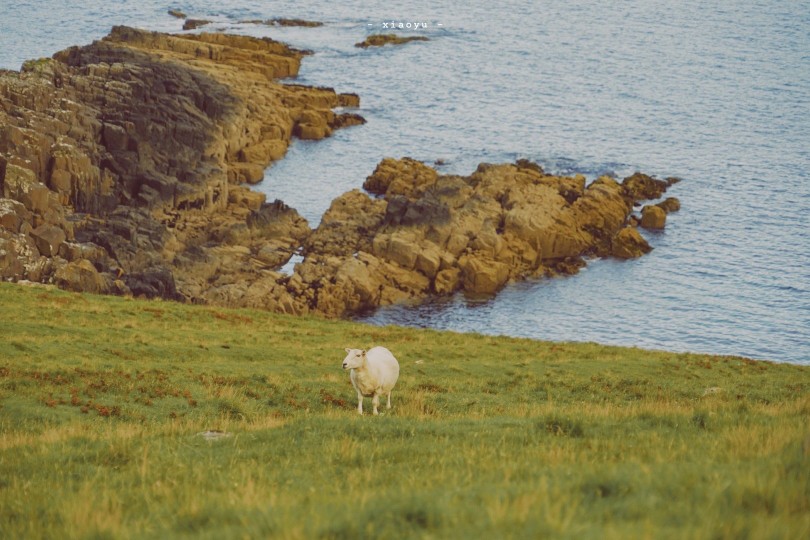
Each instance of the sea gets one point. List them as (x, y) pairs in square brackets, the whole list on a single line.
[(715, 93)]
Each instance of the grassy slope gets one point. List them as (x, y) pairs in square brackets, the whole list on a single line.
[(102, 398)]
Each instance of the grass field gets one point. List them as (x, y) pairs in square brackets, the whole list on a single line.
[(102, 400)]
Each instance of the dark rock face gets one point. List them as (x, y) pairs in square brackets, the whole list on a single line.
[(639, 186), (156, 282), (126, 153), (403, 211)]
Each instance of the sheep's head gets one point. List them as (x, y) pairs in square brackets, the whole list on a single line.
[(355, 358)]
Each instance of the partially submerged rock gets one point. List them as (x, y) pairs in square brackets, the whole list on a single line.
[(669, 205), (281, 21), (379, 40), (653, 217), (640, 186), (193, 24), (177, 13)]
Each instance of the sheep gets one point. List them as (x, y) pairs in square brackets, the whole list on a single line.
[(373, 373)]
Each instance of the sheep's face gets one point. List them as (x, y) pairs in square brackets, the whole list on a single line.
[(355, 358)]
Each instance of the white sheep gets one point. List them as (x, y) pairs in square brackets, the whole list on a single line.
[(373, 373)]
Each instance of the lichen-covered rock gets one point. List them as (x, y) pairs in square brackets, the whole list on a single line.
[(13, 214), (81, 276), (48, 239)]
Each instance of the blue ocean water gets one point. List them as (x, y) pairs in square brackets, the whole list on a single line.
[(716, 93)]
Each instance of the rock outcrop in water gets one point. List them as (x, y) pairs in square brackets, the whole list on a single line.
[(430, 234), (121, 166), (120, 162), (193, 24), (380, 40), (281, 21)]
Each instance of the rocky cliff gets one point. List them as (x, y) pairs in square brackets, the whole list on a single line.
[(121, 162)]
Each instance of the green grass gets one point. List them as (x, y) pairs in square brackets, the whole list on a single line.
[(102, 400)]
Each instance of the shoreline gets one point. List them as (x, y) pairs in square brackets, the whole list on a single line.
[(145, 305), (474, 334), (142, 191)]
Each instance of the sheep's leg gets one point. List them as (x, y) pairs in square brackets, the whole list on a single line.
[(389, 401), (376, 402), (359, 402)]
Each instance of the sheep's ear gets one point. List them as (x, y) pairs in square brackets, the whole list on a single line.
[(348, 350)]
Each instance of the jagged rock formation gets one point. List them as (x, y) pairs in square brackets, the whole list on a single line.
[(431, 234), (120, 162)]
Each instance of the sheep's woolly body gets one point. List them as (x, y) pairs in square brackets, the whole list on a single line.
[(364, 382), (373, 374)]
